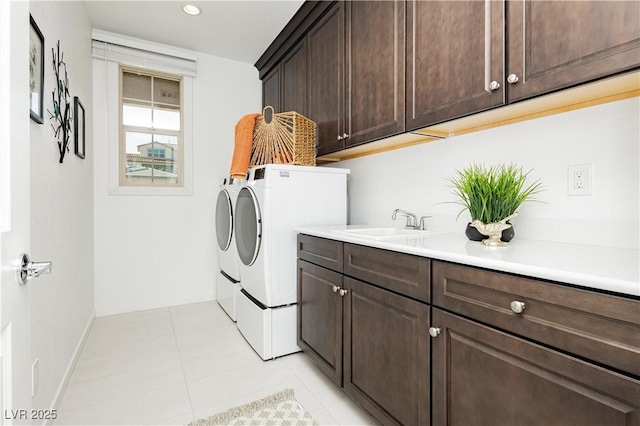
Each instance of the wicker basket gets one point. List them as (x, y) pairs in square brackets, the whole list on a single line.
[(289, 138)]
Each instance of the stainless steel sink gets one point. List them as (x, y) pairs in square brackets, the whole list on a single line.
[(383, 233)]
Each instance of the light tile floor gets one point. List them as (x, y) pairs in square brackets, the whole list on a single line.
[(179, 364)]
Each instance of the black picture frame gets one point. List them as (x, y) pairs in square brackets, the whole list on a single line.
[(36, 72), (79, 128)]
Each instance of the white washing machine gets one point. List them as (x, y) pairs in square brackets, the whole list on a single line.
[(228, 277), (275, 200)]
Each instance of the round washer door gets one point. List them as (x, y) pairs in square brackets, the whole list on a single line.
[(248, 226), (224, 220)]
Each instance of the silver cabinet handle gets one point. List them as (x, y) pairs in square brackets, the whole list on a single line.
[(335, 288), (517, 307), (512, 79), (339, 137), (343, 291), (434, 331), (29, 270), (494, 85), (344, 136)]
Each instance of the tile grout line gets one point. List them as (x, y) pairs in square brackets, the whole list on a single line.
[(121, 398), (101, 403), (184, 376)]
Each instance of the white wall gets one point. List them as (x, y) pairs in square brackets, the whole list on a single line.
[(139, 262), (61, 207), (607, 136)]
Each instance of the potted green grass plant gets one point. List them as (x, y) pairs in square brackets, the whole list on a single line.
[(492, 194)]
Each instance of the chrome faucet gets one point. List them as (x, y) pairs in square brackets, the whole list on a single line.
[(412, 219)]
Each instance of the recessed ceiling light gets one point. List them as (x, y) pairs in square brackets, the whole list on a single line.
[(191, 9)]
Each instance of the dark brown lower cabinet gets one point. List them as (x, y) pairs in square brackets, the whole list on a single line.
[(386, 353), (483, 376), (371, 341), (506, 350), (320, 317)]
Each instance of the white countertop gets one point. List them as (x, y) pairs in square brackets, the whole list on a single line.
[(605, 268)]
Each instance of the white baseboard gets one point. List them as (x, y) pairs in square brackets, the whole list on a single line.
[(153, 304), (71, 366)]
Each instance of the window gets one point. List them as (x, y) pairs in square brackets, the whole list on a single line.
[(156, 153), (151, 117), (152, 68)]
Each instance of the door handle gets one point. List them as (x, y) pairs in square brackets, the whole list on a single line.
[(29, 269)]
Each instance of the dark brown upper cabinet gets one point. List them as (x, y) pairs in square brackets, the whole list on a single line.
[(455, 59), (285, 86), (375, 60), (456, 52), (378, 68), (282, 68), (325, 42), (271, 89), (554, 45), (356, 73), (294, 80)]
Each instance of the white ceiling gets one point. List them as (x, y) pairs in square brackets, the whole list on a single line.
[(239, 30)]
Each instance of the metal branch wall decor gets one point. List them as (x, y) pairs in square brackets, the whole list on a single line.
[(62, 115)]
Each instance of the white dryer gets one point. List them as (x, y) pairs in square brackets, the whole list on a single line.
[(228, 277), (275, 200)]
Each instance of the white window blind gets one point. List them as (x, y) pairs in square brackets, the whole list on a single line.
[(142, 58)]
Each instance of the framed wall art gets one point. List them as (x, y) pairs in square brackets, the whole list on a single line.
[(79, 128), (36, 72), (62, 114)]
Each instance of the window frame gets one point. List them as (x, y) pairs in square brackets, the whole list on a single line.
[(123, 129)]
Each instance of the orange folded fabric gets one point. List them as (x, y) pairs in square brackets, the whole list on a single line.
[(242, 148)]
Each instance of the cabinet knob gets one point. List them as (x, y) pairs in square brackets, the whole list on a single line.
[(512, 79), (339, 137), (344, 136), (335, 288), (343, 291), (517, 307), (494, 85), (434, 331)]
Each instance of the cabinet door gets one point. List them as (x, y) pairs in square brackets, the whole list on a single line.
[(386, 354), (556, 44), (320, 318), (294, 80), (271, 89), (325, 42), (455, 49), (482, 376), (375, 69)]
